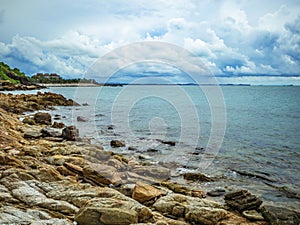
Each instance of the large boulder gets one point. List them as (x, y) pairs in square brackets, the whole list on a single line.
[(194, 210), (70, 133), (42, 118), (143, 192), (102, 174), (115, 210)]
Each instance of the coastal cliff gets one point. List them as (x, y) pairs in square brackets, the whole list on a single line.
[(47, 177)]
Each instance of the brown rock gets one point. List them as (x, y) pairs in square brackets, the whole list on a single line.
[(58, 125), (70, 133), (144, 192), (42, 118), (117, 143), (242, 200), (102, 174), (197, 177)]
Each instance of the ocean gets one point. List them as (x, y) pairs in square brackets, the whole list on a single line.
[(245, 136)]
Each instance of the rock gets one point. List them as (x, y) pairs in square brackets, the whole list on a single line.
[(171, 143), (153, 171), (115, 210), (197, 177), (132, 148), (54, 139), (280, 216), (117, 143), (242, 200), (177, 188), (47, 132), (110, 127), (152, 150), (82, 119), (194, 210), (216, 192), (198, 194), (102, 174), (85, 104), (58, 125), (42, 118), (253, 215), (32, 133), (12, 215), (127, 189), (29, 120), (144, 192), (70, 133)]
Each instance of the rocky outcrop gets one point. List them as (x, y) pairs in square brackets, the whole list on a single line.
[(280, 216), (193, 210), (242, 200), (31, 102), (45, 182)]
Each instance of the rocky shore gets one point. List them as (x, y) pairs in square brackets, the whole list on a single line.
[(49, 175)]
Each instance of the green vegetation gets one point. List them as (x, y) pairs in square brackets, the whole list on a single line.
[(53, 78), (15, 76)]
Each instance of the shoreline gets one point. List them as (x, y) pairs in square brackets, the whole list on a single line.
[(43, 169)]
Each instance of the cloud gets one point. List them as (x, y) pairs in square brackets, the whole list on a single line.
[(231, 38)]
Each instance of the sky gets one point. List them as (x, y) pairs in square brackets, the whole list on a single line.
[(239, 41)]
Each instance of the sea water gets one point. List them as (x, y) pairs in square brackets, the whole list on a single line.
[(259, 150)]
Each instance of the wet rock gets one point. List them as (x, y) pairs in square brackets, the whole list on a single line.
[(48, 132), (85, 104), (117, 143), (110, 127), (280, 216), (177, 188), (82, 119), (152, 150), (144, 192), (132, 148), (153, 171), (127, 189), (216, 192), (171, 143), (58, 125), (197, 177), (242, 200), (42, 118), (194, 210), (253, 215), (70, 133)]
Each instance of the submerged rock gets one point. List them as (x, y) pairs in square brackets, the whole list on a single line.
[(197, 177), (82, 119)]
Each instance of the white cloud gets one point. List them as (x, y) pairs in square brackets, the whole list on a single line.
[(231, 37)]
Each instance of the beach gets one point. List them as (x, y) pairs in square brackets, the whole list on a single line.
[(54, 176)]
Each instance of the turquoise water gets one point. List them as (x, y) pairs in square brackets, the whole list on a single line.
[(262, 135)]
